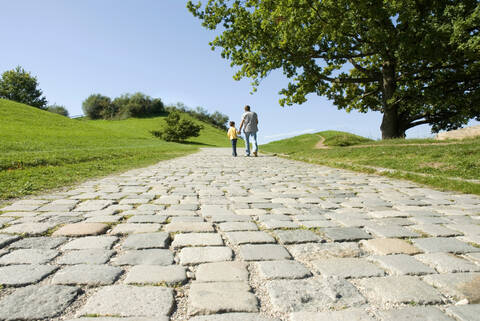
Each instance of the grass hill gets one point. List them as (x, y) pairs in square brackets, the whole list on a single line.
[(451, 165), (41, 150)]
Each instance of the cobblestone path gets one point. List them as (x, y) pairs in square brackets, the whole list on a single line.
[(209, 237)]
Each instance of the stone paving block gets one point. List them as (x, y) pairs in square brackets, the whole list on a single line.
[(346, 234), (467, 229), (389, 246), (42, 242), (121, 319), (81, 229), (443, 244), (469, 312), (134, 228), (263, 252), (130, 301), (37, 302), (398, 289), (28, 256), (89, 256), (211, 298), (146, 241), (58, 207), (312, 295), (237, 226), (197, 239), (150, 207), (284, 269), (311, 251), (413, 314), (319, 224), (148, 219), (186, 227), (447, 263), (388, 213), (473, 257), (459, 285), (276, 224), (435, 230), (251, 211), (92, 275), (175, 219), (6, 239), (152, 274), (347, 268), (296, 236), (92, 205), (104, 219), (249, 237), (222, 272), (144, 257), (198, 255), (354, 314), (233, 317), (21, 275), (20, 207), (103, 242), (28, 228), (402, 264), (390, 231)]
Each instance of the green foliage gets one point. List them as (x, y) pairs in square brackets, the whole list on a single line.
[(97, 106), (39, 150), (57, 109), (216, 119), (127, 105), (178, 129), (415, 62), (20, 86), (436, 163)]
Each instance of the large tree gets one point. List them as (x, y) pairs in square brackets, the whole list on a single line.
[(415, 61), (20, 86)]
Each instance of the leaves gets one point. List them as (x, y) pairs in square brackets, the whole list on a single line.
[(416, 59)]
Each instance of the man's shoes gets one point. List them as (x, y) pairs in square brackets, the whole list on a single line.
[(247, 155), (255, 154)]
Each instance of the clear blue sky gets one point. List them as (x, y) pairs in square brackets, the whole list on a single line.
[(76, 48)]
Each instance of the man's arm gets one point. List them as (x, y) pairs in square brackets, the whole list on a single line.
[(241, 125)]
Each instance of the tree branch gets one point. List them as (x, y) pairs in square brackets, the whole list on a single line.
[(350, 80)]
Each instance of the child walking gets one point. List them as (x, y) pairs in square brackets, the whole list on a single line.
[(233, 136)]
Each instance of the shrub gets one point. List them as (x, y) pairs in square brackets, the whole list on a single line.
[(18, 85), (216, 119), (97, 106), (57, 109), (178, 129)]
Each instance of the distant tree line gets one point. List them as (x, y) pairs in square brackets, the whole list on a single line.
[(20, 86), (97, 106), (216, 119)]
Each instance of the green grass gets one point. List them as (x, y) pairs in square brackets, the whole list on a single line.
[(430, 162), (41, 150)]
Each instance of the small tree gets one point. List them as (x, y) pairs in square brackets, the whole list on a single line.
[(57, 109), (95, 106), (178, 129), (20, 86)]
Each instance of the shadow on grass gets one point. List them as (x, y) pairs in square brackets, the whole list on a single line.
[(196, 143)]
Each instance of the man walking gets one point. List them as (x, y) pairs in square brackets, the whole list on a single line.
[(250, 121)]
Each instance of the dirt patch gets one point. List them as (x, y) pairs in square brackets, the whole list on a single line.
[(320, 144), (437, 165)]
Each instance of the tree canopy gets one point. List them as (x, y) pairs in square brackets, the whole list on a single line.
[(20, 86), (416, 62)]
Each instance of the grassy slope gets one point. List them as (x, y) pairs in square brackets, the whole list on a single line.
[(440, 160), (41, 150)]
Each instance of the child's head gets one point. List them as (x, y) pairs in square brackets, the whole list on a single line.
[(232, 124)]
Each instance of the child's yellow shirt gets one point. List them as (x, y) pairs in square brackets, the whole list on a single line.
[(232, 133)]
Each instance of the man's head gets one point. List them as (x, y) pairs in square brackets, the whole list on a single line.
[(247, 108)]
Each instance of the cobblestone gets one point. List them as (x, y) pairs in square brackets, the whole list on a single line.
[(250, 239)]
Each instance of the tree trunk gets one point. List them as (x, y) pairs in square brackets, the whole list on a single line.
[(391, 122)]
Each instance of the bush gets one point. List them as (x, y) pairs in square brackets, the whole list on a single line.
[(216, 119), (18, 85), (178, 129), (97, 106), (57, 109)]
